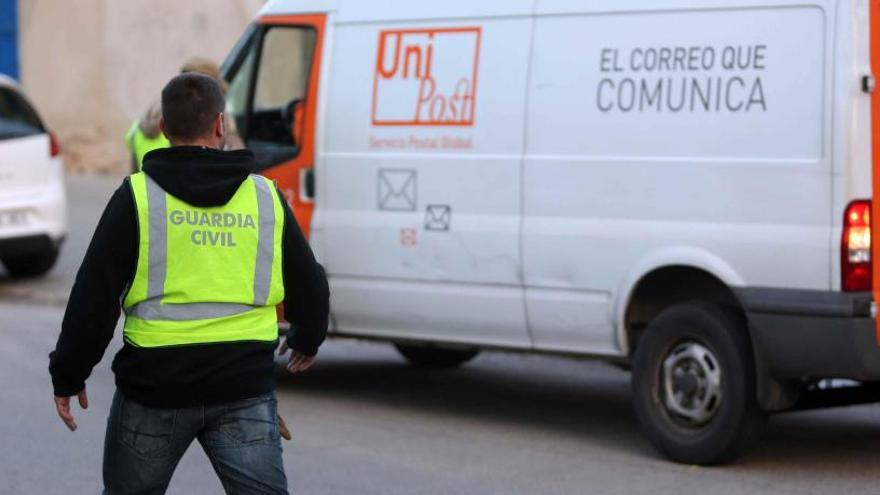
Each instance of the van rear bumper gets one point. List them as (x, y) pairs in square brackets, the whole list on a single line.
[(805, 334)]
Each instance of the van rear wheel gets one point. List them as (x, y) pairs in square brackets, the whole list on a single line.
[(435, 357), (694, 384)]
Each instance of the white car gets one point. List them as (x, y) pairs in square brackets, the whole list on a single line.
[(33, 220)]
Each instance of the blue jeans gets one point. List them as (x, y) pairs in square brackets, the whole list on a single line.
[(143, 445)]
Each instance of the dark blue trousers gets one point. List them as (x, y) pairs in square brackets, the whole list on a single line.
[(143, 445)]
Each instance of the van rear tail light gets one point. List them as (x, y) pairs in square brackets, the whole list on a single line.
[(54, 147), (855, 251)]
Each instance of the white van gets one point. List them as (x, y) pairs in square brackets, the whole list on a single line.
[(679, 186)]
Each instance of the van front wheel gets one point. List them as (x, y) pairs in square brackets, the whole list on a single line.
[(435, 357), (694, 384)]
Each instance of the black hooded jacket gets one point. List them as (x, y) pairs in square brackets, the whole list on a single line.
[(189, 375)]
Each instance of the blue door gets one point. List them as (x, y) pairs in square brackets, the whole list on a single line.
[(9, 38)]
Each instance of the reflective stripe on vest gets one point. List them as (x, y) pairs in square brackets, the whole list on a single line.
[(152, 321)]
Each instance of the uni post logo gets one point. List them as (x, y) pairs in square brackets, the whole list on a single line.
[(426, 77)]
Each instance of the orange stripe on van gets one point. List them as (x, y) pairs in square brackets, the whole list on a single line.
[(875, 140)]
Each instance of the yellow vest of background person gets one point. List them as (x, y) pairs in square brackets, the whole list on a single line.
[(139, 144), (205, 274)]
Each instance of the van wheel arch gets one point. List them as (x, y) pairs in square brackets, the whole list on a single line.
[(667, 286)]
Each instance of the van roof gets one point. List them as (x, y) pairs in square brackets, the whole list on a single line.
[(356, 11), (397, 10)]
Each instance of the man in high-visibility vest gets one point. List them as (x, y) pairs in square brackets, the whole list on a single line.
[(198, 251)]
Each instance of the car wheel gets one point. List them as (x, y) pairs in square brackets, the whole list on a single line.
[(693, 384), (32, 264), (435, 357)]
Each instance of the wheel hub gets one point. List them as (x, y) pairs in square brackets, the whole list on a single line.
[(691, 380), (686, 383)]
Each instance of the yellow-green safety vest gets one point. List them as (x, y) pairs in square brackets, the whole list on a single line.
[(205, 274), (139, 144)]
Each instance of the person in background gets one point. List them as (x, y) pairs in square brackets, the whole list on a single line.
[(144, 134)]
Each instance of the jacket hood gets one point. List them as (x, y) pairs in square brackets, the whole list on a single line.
[(199, 176)]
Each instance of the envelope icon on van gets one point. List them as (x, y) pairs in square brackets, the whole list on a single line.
[(397, 190), (438, 217)]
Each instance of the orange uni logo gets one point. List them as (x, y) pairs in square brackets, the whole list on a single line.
[(426, 76)]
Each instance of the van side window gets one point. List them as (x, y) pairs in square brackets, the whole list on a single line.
[(17, 118), (267, 91), (285, 65)]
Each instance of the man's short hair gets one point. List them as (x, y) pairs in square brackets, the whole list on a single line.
[(190, 103)]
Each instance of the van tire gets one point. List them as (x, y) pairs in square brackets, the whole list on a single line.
[(31, 264), (691, 339), (435, 357)]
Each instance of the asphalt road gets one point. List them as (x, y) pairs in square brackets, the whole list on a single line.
[(365, 423)]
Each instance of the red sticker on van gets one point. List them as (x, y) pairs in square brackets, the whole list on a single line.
[(426, 77)]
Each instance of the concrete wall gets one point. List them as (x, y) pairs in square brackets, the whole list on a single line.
[(92, 66)]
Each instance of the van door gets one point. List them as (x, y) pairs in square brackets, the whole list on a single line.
[(421, 179), (272, 97)]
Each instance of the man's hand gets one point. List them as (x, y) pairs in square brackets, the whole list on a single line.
[(298, 361), (62, 404)]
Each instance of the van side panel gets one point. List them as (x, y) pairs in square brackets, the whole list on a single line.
[(687, 137), (421, 171)]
